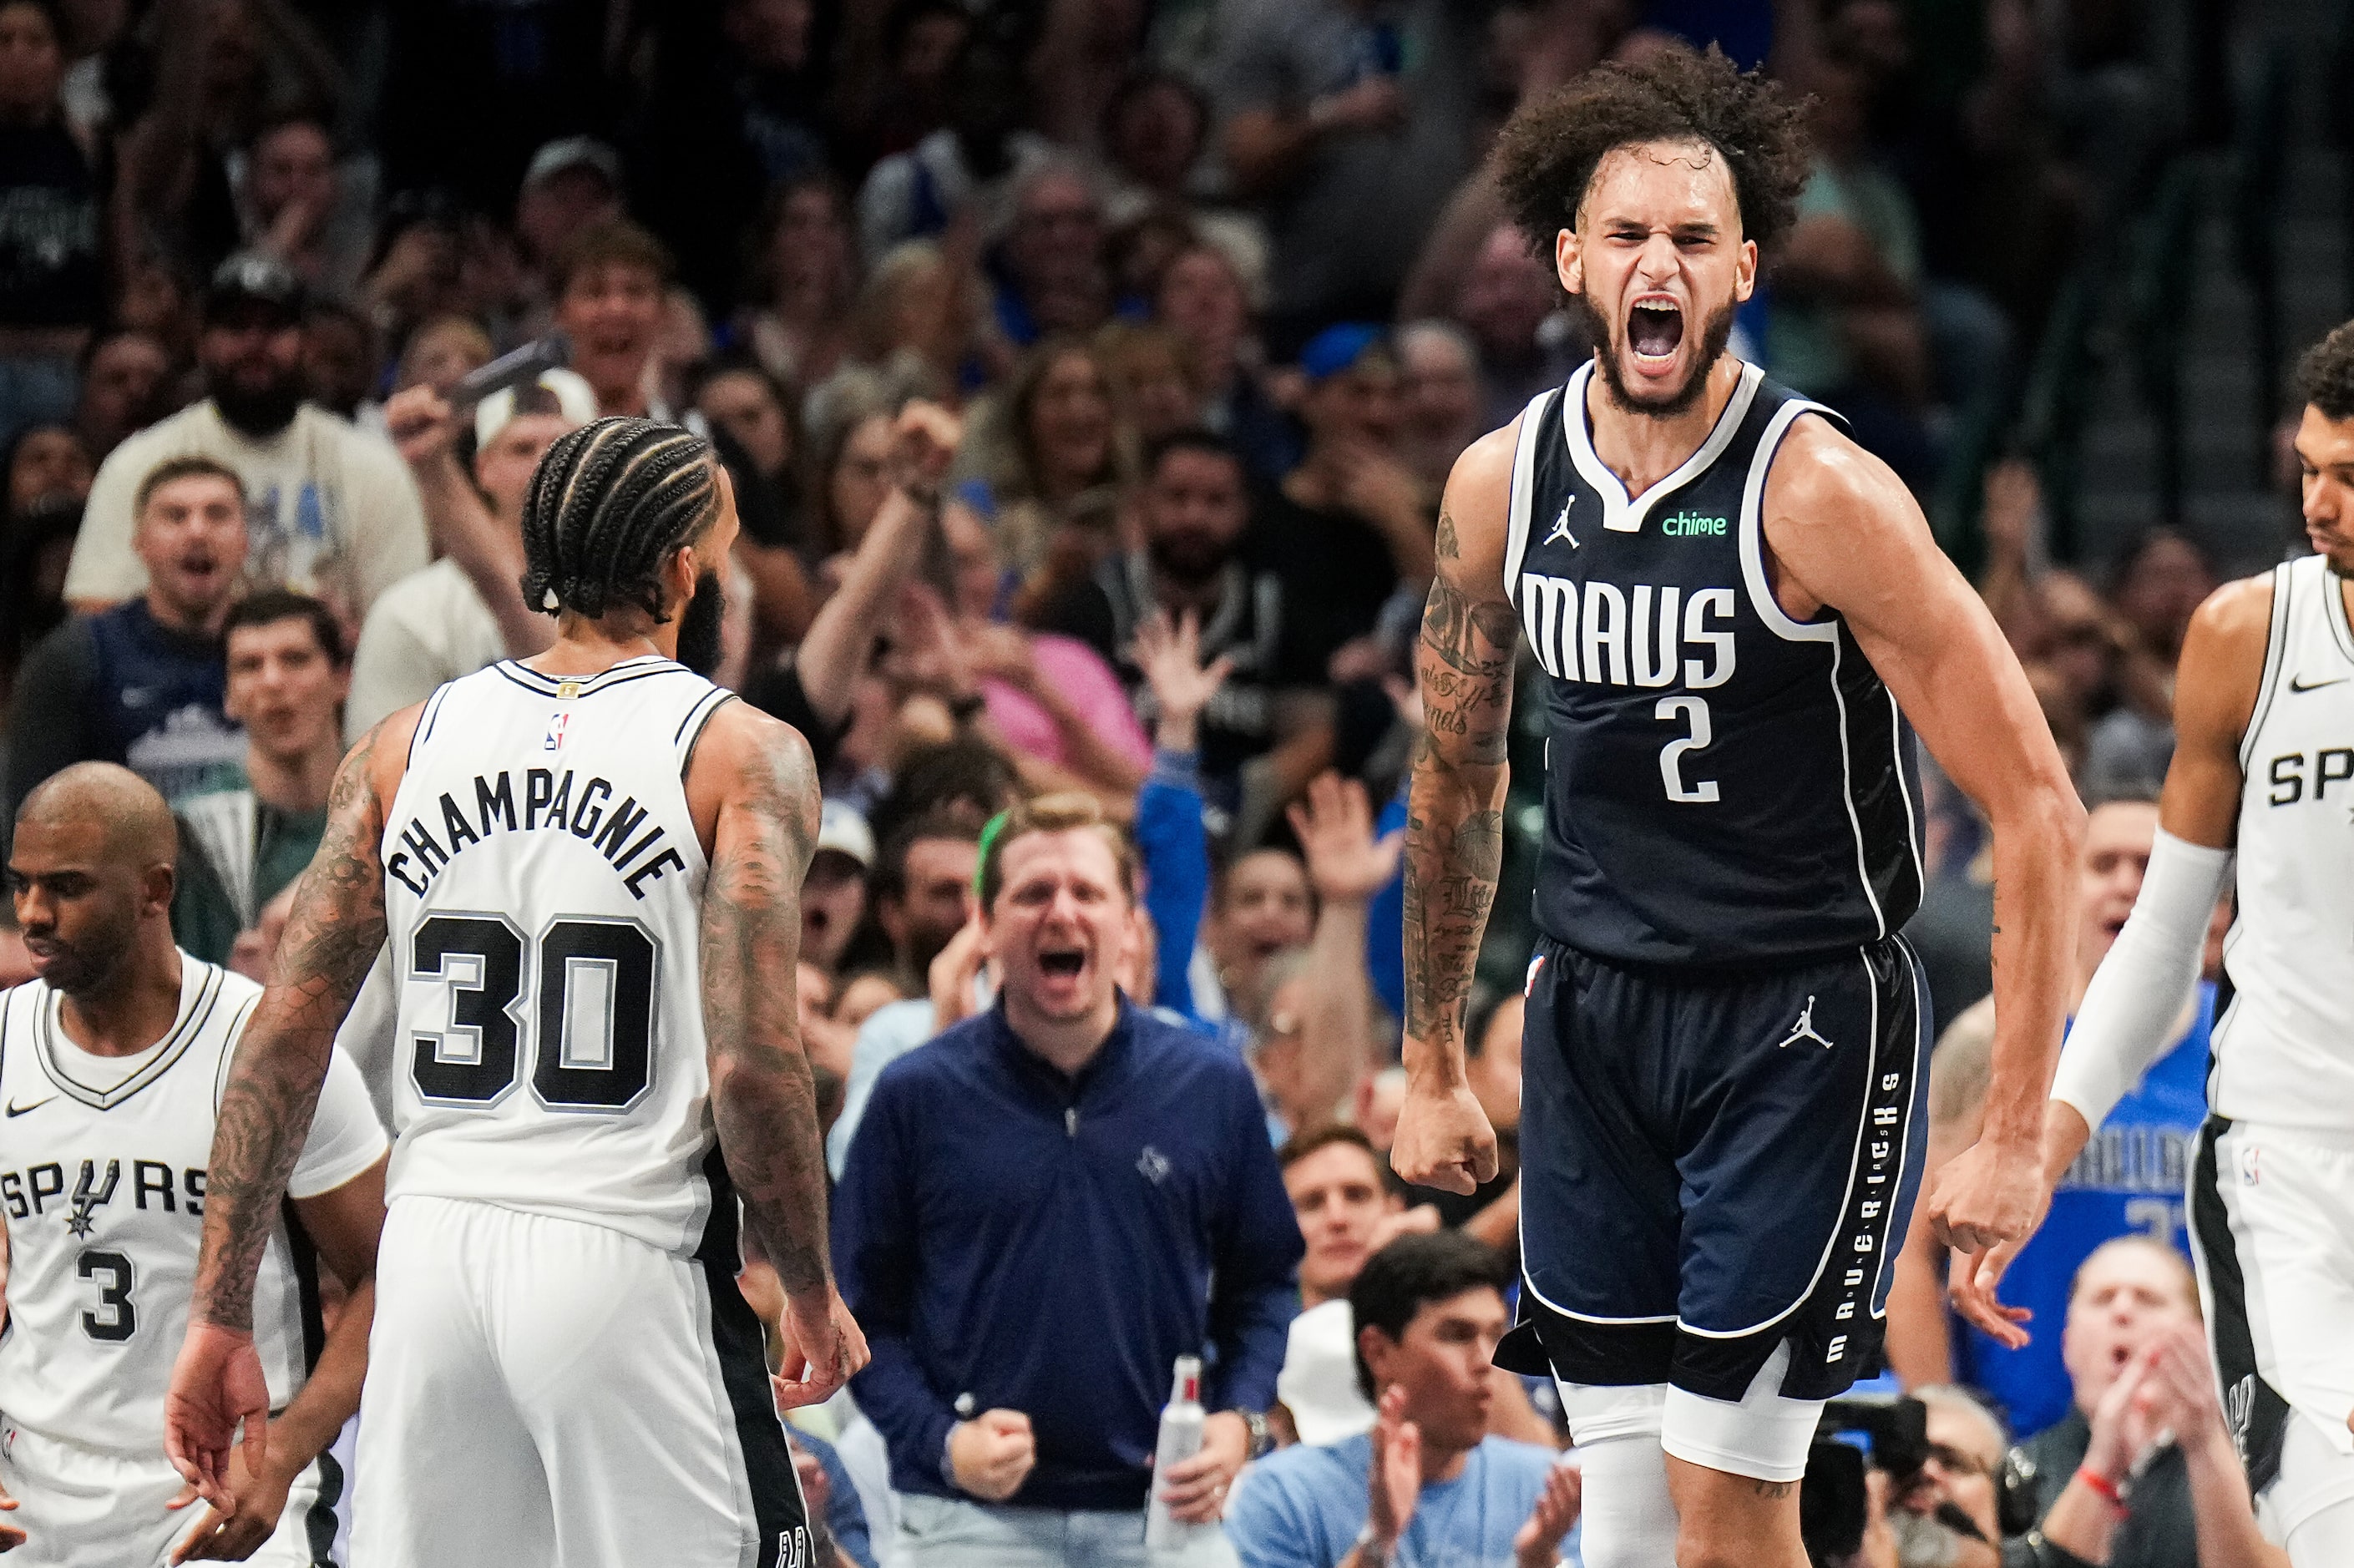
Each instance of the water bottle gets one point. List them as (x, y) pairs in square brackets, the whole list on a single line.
[(1181, 1439)]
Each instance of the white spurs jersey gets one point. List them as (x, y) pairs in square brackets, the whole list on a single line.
[(2284, 1048), (103, 1174), (543, 884)]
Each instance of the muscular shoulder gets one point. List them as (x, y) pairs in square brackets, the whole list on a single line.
[(2233, 623), (746, 757), (1820, 474), (1477, 504)]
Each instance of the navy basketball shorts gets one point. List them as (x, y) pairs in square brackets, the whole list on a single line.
[(1713, 1163)]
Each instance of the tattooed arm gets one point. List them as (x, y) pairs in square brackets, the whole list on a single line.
[(1453, 827), (753, 781), (332, 938)]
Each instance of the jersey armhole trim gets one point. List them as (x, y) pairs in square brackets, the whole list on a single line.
[(691, 728), (425, 721), (2276, 655), (1753, 535), (1522, 498)]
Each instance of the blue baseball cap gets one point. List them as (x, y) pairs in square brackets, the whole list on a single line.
[(1337, 348)]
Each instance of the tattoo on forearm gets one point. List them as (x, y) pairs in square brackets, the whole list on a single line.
[(1455, 823), (763, 1096), (332, 938)]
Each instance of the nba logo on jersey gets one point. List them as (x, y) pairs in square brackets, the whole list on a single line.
[(556, 728)]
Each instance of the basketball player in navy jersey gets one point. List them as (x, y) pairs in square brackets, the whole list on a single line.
[(1736, 611)]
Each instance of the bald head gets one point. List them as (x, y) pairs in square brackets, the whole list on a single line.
[(134, 824), (92, 869)]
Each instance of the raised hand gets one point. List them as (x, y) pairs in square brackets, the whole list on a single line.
[(1537, 1543), (1395, 1483), (422, 425), (1170, 657), (1345, 863)]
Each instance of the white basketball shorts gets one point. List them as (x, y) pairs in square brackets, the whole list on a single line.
[(86, 1507), (2272, 1221), (547, 1392)]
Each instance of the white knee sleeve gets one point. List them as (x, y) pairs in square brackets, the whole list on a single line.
[(1630, 1520)]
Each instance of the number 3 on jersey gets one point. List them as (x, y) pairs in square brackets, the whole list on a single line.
[(1691, 712), (592, 1031)]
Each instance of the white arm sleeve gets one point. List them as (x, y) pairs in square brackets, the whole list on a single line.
[(2144, 984)]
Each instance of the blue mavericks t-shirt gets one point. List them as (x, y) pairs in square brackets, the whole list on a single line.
[(2131, 1177), (1303, 1506)]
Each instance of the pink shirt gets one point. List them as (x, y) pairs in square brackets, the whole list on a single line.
[(1088, 685)]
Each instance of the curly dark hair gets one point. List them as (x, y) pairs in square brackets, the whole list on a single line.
[(1547, 157), (2325, 375)]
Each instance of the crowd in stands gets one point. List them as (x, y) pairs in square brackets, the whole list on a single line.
[(1087, 372)]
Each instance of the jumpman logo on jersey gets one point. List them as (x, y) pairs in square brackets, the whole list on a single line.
[(1804, 1028), (1561, 526), (86, 1201)]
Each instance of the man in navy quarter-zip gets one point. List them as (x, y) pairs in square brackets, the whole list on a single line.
[(1739, 618), (1044, 1207)]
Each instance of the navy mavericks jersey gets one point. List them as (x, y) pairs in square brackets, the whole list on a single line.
[(1724, 786)]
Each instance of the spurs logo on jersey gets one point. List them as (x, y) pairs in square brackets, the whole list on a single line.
[(543, 916), (2285, 1048), (102, 1179)]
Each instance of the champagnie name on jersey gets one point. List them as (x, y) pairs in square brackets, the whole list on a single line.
[(1641, 635), (549, 802)]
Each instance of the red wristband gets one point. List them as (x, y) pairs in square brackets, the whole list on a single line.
[(2104, 1488)]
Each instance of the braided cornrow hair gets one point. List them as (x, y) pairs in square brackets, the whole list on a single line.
[(607, 504)]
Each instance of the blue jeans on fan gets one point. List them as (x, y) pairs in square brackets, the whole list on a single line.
[(952, 1533)]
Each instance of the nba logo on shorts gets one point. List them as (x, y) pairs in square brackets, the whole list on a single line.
[(1535, 964), (2248, 1171), (555, 728)]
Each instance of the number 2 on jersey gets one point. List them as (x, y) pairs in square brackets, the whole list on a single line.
[(593, 1028), (1691, 712)]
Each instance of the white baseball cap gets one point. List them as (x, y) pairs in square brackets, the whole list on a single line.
[(1319, 1381), (840, 829), (575, 399)]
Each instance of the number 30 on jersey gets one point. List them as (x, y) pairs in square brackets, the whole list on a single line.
[(590, 1031)]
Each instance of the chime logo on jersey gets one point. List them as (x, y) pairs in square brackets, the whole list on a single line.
[(1640, 635)]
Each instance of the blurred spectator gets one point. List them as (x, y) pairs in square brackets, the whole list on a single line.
[(1445, 412), (293, 204), (439, 354), (47, 464), (332, 510), (1154, 131), (2127, 1305), (1260, 906), (244, 843), (609, 285), (895, 100), (340, 362), (1047, 439), (1959, 1482), (124, 376), (142, 684), (1151, 396), (1203, 300), (918, 318), (572, 185), (804, 278), (1347, 1212), (1351, 521), (920, 883), (2130, 1178), (1193, 514), (2161, 579), (1427, 1484), (849, 459), (51, 280), (1352, 123), (751, 423), (466, 611), (970, 166), (1509, 301), (991, 1205), (833, 894), (1052, 275), (841, 1535)]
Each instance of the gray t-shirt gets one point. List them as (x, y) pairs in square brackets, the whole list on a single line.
[(1349, 224)]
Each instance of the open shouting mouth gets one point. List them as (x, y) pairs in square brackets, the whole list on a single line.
[(1655, 329)]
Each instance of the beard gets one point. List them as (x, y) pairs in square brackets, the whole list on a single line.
[(1187, 557), (258, 411), (1715, 333), (699, 625)]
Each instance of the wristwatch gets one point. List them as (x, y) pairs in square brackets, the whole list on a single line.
[(1262, 1441)]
